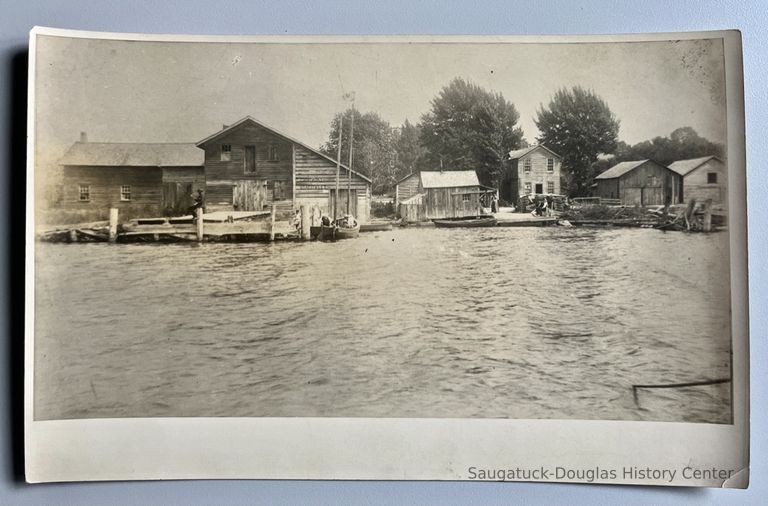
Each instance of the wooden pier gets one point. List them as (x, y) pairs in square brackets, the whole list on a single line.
[(213, 227)]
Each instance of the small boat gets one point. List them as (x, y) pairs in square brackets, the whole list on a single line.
[(375, 227), (469, 221), (338, 232)]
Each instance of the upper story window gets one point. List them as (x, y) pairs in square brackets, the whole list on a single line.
[(550, 164), (527, 165), (711, 177), (85, 193), (272, 154), (226, 152), (125, 192)]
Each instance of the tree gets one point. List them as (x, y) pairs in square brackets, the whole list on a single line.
[(578, 125), (470, 128), (373, 151), (409, 153)]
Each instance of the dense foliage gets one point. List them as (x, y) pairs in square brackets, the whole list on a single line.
[(579, 126), (470, 128)]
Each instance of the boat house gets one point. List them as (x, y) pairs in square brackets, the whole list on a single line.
[(250, 166), (641, 182), (703, 178), (534, 170), (139, 179), (441, 194), (245, 166)]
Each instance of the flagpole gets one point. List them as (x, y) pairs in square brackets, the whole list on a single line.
[(351, 143), (338, 168)]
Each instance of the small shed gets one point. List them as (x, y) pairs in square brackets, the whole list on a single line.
[(139, 179), (445, 194), (703, 178), (407, 187), (641, 182)]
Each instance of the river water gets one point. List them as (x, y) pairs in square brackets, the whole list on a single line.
[(502, 322)]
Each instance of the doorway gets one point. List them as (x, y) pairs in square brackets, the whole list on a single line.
[(539, 188)]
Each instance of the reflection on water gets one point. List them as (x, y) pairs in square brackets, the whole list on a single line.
[(519, 323)]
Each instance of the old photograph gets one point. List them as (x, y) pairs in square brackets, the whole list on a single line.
[(382, 229)]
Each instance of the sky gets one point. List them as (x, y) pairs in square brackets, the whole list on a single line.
[(137, 91)]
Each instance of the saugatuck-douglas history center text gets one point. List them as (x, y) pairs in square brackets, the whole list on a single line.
[(593, 474)]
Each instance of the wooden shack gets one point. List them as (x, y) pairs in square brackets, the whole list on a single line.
[(534, 170), (703, 178), (641, 182), (407, 187), (250, 166), (139, 179), (445, 194)]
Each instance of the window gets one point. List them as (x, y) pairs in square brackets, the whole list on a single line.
[(550, 164), (272, 155), (550, 186), (85, 193), (711, 177), (226, 152), (527, 165), (125, 192), (465, 197), (527, 188)]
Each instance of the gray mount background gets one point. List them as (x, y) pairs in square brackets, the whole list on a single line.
[(366, 17)]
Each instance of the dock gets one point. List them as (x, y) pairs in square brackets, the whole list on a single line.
[(512, 219)]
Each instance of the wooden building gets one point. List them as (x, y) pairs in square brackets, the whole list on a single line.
[(443, 194), (703, 178), (641, 182), (532, 171), (250, 166), (407, 187), (139, 179)]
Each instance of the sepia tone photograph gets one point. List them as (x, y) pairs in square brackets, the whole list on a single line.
[(484, 230)]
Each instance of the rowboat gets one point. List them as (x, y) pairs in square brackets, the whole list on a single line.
[(375, 227), (336, 232), (469, 221)]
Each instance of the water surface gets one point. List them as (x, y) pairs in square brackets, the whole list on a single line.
[(502, 322)]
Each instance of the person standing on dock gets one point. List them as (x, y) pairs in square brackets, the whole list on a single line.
[(199, 200)]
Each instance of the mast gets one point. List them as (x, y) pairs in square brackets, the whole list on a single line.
[(338, 168), (349, 167)]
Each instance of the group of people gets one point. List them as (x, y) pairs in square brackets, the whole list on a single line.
[(543, 206), (346, 221)]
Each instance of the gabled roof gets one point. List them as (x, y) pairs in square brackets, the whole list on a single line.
[(449, 178), (133, 154), (622, 168), (684, 167), (406, 177), (519, 153), (250, 119)]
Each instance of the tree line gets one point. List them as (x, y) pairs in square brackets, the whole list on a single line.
[(470, 128)]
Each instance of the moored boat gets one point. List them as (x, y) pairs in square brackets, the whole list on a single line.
[(469, 221), (375, 227), (336, 232)]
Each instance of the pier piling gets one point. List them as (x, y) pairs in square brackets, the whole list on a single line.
[(305, 223), (113, 215), (199, 216), (272, 223)]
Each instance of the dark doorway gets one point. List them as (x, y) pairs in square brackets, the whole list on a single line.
[(539, 188), (250, 159)]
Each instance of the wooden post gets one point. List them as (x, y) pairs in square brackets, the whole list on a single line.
[(113, 214), (708, 215), (73, 235), (305, 223), (272, 223), (199, 222)]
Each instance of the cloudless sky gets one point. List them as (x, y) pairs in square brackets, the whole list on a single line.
[(136, 91)]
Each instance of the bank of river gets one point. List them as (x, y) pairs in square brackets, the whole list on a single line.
[(502, 322)]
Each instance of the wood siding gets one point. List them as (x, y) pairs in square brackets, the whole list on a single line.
[(316, 180), (222, 176), (451, 202), (695, 185), (407, 188), (513, 183), (647, 184)]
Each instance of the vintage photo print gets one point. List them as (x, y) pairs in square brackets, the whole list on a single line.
[(491, 258)]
